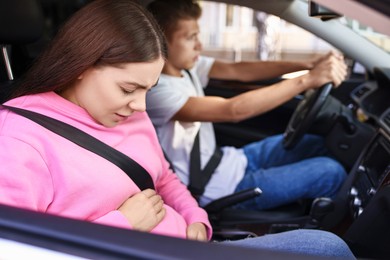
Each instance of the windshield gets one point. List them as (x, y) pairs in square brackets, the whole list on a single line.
[(379, 39)]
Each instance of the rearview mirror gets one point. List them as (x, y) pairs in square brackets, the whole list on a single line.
[(319, 11)]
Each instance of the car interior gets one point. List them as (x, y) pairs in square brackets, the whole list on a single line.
[(360, 212)]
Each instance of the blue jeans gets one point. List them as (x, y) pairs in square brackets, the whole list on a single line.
[(304, 172), (308, 242)]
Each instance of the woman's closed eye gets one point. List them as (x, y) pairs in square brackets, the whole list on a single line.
[(128, 91)]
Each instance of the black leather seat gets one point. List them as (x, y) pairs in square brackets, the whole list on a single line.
[(21, 22)]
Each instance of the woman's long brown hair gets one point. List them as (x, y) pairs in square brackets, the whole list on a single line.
[(104, 32)]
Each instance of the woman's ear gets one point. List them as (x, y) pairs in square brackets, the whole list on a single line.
[(89, 70)]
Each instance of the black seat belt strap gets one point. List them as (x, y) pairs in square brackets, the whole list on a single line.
[(135, 171), (198, 177)]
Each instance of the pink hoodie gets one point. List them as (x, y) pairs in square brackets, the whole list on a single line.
[(43, 171)]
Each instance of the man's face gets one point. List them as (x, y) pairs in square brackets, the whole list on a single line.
[(184, 46)]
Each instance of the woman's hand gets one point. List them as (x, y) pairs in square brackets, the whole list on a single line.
[(197, 231), (144, 210)]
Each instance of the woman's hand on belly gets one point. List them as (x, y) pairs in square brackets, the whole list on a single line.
[(144, 210), (197, 231)]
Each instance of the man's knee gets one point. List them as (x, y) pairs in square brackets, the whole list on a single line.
[(334, 169)]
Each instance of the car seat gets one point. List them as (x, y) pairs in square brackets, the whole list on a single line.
[(21, 22)]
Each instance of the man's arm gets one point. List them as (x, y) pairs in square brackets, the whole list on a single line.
[(260, 70), (255, 70), (258, 101)]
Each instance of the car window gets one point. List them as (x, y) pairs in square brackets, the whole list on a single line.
[(239, 33)]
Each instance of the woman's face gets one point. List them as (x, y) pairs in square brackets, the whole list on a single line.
[(111, 94)]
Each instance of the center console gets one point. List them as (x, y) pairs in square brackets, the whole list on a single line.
[(372, 173), (369, 200)]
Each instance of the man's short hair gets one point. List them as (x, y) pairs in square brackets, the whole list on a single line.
[(169, 12)]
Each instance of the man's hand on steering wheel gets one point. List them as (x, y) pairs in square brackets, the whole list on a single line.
[(329, 71)]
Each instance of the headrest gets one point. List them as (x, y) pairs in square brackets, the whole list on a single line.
[(21, 21)]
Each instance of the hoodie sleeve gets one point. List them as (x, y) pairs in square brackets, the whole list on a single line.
[(178, 197), (25, 179)]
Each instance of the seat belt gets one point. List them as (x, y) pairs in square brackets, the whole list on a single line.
[(198, 177), (135, 171)]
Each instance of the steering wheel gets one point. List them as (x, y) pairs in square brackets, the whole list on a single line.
[(305, 114)]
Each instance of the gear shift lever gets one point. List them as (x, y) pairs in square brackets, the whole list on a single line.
[(319, 209)]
